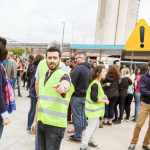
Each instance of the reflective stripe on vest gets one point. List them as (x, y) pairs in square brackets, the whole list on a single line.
[(53, 113), (95, 110), (54, 99)]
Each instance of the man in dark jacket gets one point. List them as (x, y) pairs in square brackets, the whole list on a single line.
[(29, 76), (80, 79), (144, 87)]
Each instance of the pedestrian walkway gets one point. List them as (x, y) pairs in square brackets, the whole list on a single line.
[(15, 136)]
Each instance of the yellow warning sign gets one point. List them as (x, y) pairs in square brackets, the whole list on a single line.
[(140, 38)]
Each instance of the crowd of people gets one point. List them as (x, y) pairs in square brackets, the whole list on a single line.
[(74, 91)]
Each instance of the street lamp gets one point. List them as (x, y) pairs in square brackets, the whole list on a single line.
[(26, 37), (62, 37)]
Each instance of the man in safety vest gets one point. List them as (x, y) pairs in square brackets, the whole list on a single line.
[(55, 90)]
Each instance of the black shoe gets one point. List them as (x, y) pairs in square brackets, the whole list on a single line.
[(114, 120), (145, 147), (71, 136), (26, 89), (127, 119), (93, 145), (72, 139), (19, 95), (134, 120), (23, 86), (104, 123), (28, 96), (109, 124), (117, 122), (132, 147)]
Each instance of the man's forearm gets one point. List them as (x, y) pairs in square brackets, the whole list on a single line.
[(37, 88), (67, 86)]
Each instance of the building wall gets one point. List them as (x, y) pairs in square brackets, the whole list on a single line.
[(106, 21), (116, 20)]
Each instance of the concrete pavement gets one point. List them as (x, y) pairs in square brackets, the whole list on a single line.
[(15, 136)]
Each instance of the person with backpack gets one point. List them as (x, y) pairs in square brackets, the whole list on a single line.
[(94, 107)]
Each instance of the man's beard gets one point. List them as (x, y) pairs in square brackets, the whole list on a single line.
[(53, 68)]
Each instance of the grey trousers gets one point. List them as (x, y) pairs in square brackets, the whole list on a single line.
[(93, 124)]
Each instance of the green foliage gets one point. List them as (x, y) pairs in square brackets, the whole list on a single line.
[(18, 52)]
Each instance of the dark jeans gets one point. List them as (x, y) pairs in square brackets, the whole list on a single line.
[(49, 137), (24, 78), (109, 109), (79, 118), (32, 110), (120, 101), (1, 126), (127, 104)]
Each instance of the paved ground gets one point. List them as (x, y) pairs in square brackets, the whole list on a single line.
[(15, 136)]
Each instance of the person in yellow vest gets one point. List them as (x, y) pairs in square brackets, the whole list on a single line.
[(94, 106), (55, 90)]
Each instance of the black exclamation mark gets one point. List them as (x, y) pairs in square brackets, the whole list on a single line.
[(142, 36)]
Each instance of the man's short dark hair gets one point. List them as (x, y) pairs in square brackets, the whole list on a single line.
[(116, 61), (54, 49), (72, 58), (31, 57)]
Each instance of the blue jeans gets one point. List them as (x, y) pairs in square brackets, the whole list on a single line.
[(14, 79), (1, 126), (137, 103), (120, 101), (18, 83), (32, 110), (109, 109), (49, 137), (78, 111)]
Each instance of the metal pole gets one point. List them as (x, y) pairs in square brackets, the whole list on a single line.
[(63, 37)]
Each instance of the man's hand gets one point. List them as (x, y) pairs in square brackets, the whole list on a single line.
[(105, 97), (33, 128), (6, 121), (59, 88), (107, 102)]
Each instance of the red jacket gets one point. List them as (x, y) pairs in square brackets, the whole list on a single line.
[(138, 79)]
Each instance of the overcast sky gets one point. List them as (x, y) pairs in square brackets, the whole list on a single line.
[(44, 18)]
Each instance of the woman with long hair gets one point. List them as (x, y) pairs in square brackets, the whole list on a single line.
[(19, 74), (94, 106), (142, 70), (123, 87), (112, 77), (4, 120)]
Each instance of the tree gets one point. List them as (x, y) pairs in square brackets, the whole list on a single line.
[(18, 52)]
